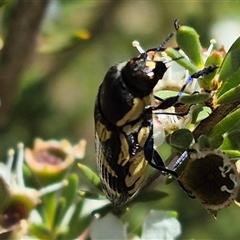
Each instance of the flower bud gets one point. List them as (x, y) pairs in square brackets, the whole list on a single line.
[(50, 160)]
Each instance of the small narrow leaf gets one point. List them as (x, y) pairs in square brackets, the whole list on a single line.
[(194, 98), (91, 195), (229, 96), (60, 212), (199, 113), (91, 176), (233, 153), (229, 66), (40, 231), (149, 196), (69, 191), (225, 124), (229, 85), (232, 60), (231, 141), (76, 224), (102, 211)]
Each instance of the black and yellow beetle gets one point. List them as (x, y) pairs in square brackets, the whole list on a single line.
[(124, 125), (124, 128)]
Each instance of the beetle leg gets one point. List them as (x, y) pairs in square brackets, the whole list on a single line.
[(167, 103), (171, 101), (159, 164)]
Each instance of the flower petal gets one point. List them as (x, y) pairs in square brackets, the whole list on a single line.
[(108, 227), (160, 225)]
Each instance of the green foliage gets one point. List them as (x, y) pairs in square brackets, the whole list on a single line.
[(225, 124), (53, 96)]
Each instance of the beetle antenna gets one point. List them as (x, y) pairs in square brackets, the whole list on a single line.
[(201, 73), (180, 160), (160, 47)]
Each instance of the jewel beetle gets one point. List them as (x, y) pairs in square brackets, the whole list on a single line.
[(124, 125)]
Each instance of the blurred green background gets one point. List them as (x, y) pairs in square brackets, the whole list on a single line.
[(77, 43)]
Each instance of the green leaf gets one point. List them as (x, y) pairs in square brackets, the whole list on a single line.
[(102, 211), (231, 141), (194, 98), (49, 209), (149, 196), (206, 142), (91, 195), (229, 84), (39, 231), (225, 124), (180, 139), (199, 113), (216, 141), (91, 176), (232, 153), (77, 223), (229, 67), (69, 191), (163, 94), (229, 96), (60, 212), (203, 142)]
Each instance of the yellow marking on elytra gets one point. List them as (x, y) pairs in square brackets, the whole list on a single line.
[(136, 110), (103, 133), (123, 157), (143, 135), (129, 129), (137, 173), (102, 162), (110, 192)]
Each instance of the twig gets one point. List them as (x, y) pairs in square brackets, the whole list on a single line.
[(19, 44)]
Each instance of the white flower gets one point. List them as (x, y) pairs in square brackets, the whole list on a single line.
[(108, 227), (19, 200), (160, 225), (13, 178)]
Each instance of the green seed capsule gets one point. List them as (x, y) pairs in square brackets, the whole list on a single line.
[(208, 82), (188, 40)]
